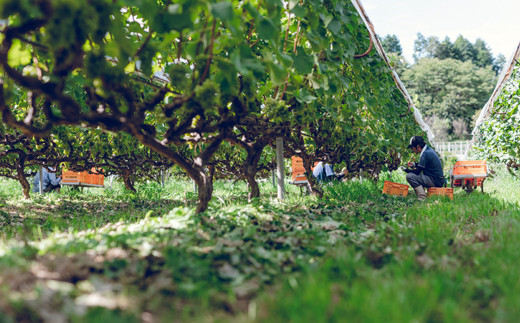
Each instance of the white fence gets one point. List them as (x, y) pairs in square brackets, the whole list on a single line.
[(454, 148)]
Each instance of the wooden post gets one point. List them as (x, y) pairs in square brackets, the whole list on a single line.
[(280, 167), (162, 178), (273, 175), (41, 180)]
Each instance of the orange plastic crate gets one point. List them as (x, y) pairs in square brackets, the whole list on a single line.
[(84, 178), (443, 191), (395, 188), (70, 177), (79, 178), (471, 162), (298, 171), (470, 167), (96, 178)]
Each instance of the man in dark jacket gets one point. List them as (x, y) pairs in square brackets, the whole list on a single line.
[(429, 165)]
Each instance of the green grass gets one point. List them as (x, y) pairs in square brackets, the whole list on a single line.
[(109, 255), (443, 260)]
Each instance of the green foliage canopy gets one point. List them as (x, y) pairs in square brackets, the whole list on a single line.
[(192, 72)]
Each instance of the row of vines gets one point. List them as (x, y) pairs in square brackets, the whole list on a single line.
[(137, 86), (497, 138)]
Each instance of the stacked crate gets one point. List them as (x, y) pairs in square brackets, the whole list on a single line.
[(442, 191), (94, 178), (395, 188), (70, 178), (298, 171), (469, 174)]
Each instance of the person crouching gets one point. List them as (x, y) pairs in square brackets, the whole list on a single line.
[(50, 182), (428, 172)]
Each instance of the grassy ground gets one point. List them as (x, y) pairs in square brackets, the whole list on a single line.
[(441, 261), (356, 255)]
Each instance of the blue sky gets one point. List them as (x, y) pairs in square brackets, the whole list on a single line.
[(497, 22)]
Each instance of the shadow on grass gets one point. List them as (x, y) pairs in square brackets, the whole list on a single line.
[(326, 257), (173, 258), (59, 213)]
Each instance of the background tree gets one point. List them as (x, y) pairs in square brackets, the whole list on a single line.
[(425, 47), (391, 44), (463, 50), (252, 141), (483, 56), (498, 63), (445, 49), (254, 160), (449, 89)]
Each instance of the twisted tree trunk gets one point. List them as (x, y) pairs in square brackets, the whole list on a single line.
[(20, 176), (26, 186), (250, 167), (205, 190), (127, 179)]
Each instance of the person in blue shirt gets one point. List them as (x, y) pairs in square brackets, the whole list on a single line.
[(427, 172), (323, 172), (49, 180)]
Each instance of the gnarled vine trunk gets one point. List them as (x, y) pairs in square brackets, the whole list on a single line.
[(205, 190), (254, 188), (250, 167), (20, 176), (26, 186), (127, 179)]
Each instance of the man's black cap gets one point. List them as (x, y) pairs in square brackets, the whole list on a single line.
[(416, 141)]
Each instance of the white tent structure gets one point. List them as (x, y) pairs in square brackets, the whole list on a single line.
[(502, 80)]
